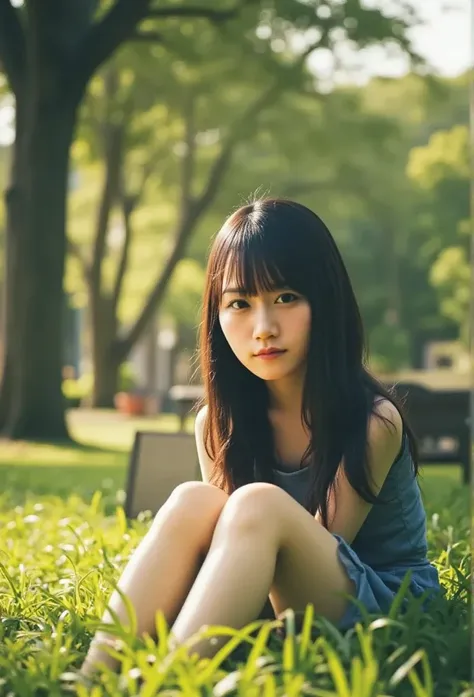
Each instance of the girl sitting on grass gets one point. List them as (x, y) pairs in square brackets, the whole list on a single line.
[(309, 491)]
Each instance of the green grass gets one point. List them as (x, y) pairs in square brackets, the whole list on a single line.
[(63, 547), (97, 462)]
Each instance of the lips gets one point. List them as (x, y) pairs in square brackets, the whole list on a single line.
[(269, 352)]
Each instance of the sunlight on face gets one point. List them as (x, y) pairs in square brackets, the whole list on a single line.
[(269, 332)]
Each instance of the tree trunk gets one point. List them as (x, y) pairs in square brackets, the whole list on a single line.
[(106, 363), (103, 306), (31, 400), (106, 380)]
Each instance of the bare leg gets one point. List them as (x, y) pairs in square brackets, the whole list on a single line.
[(264, 543), (163, 567)]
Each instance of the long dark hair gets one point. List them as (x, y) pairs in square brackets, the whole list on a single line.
[(272, 243)]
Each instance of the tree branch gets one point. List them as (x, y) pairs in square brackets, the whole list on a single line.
[(120, 24), (128, 202), (124, 346), (209, 13), (75, 250), (12, 46), (113, 161), (107, 35), (113, 165), (189, 159)]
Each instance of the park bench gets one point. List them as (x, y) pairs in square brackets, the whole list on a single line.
[(185, 398), (161, 461), (441, 422)]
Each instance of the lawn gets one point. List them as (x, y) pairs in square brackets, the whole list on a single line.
[(63, 546), (98, 462)]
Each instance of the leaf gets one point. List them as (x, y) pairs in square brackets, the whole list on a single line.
[(404, 669), (399, 598), (121, 520), (305, 638), (4, 570), (337, 673), (252, 666)]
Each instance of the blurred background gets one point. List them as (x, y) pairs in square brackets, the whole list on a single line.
[(128, 135)]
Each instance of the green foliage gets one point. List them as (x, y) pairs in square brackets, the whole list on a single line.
[(78, 389), (451, 275), (63, 557), (389, 348), (127, 382), (185, 293), (441, 170), (445, 156)]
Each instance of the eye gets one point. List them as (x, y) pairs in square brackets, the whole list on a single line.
[(234, 304), (287, 297)]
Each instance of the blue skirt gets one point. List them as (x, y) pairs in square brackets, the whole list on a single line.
[(376, 589)]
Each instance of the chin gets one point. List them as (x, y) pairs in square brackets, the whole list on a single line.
[(271, 374)]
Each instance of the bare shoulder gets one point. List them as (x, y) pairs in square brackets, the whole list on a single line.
[(387, 414), (200, 420), (205, 462), (385, 433)]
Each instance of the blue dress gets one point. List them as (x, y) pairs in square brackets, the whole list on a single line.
[(391, 541)]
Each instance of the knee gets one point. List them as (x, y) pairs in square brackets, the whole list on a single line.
[(252, 506), (192, 503)]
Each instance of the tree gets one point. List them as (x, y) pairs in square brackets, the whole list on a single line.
[(441, 169), (49, 50)]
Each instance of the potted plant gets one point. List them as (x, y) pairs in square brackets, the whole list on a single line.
[(130, 399)]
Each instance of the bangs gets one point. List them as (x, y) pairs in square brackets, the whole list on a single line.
[(255, 262)]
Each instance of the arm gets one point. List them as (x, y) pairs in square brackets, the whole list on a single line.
[(205, 462), (384, 442)]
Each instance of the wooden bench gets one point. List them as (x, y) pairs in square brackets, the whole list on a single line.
[(440, 419)]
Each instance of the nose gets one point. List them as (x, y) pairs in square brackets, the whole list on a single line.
[(265, 325)]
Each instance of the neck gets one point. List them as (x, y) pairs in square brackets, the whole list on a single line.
[(286, 395)]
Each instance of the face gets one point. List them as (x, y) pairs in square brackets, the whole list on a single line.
[(269, 333)]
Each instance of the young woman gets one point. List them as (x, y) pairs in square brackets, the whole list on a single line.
[(309, 491)]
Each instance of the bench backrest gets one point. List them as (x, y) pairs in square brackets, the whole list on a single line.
[(436, 413), (159, 462)]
